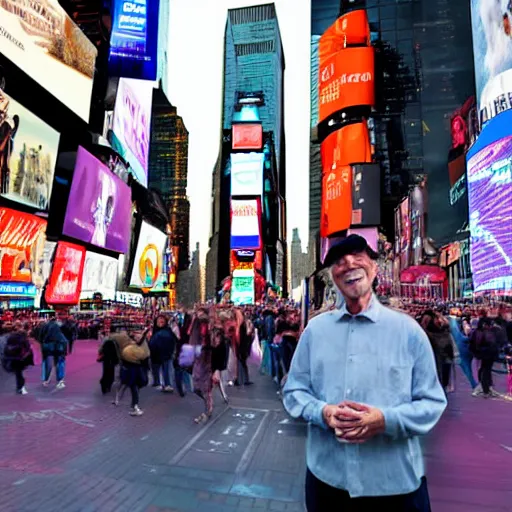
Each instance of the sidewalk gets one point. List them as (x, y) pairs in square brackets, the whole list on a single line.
[(72, 450)]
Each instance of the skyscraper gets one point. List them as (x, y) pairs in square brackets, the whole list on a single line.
[(254, 83), (299, 260), (168, 170)]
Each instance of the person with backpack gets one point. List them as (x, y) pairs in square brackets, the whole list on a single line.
[(54, 348), (17, 356)]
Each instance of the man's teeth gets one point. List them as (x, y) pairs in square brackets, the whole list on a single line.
[(352, 280)]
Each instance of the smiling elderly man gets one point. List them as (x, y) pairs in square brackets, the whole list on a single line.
[(365, 379)]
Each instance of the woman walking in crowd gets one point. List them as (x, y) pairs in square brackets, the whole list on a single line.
[(246, 333), (162, 347), (17, 355), (134, 359)]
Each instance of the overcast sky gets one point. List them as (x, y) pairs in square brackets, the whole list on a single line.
[(196, 44)]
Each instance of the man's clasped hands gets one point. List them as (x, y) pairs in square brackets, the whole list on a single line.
[(353, 422)]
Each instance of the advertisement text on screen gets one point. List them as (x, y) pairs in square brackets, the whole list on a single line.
[(245, 254), (247, 136), (346, 80)]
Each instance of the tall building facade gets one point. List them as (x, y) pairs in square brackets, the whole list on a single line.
[(168, 170), (299, 261), (253, 88), (190, 284), (424, 72)]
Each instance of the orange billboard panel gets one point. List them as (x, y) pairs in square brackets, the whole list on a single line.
[(346, 79), (247, 136), (348, 30), (336, 200), (346, 146)]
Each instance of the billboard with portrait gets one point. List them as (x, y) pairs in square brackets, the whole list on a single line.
[(245, 224), (100, 276), (22, 238), (43, 41), (247, 174), (405, 233), (99, 206), (134, 39), (28, 153), (43, 270), (149, 257), (346, 79), (492, 49), (131, 125), (247, 136), (490, 205), (65, 281)]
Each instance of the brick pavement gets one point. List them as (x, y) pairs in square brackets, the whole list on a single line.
[(73, 451)]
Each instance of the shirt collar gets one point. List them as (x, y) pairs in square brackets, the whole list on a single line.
[(371, 313)]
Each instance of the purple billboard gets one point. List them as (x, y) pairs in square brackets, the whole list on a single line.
[(99, 205), (490, 206)]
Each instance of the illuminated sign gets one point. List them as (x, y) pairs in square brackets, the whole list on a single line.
[(458, 190), (242, 287), (131, 299), (18, 289), (245, 254), (247, 174), (134, 39), (245, 224), (247, 136)]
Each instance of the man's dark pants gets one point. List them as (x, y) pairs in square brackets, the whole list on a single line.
[(321, 497)]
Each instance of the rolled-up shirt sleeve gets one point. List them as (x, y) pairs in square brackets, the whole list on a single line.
[(298, 396), (421, 414)]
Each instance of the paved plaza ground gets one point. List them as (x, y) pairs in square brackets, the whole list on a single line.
[(72, 450)]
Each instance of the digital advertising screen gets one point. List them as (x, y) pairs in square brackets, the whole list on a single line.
[(346, 146), (42, 270), (405, 233), (247, 174), (22, 238), (336, 210), (65, 283), (43, 41), (346, 79), (134, 39), (242, 287), (131, 125), (492, 49), (366, 188), (490, 219), (99, 206), (245, 224), (149, 257), (29, 156), (247, 136), (99, 276)]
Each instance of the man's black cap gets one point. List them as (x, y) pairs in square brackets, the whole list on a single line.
[(350, 245)]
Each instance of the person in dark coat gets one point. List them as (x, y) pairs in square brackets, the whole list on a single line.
[(181, 373), (17, 356), (162, 346), (54, 347)]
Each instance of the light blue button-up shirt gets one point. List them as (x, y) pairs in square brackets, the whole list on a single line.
[(380, 357)]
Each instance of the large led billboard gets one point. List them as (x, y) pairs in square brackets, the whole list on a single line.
[(22, 238), (366, 188), (247, 136), (247, 174), (490, 220), (100, 276), (131, 126), (242, 287), (346, 146), (149, 257), (346, 79), (28, 155), (65, 281), (134, 39), (245, 224), (42, 270), (99, 206), (336, 200), (42, 40), (492, 49)]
